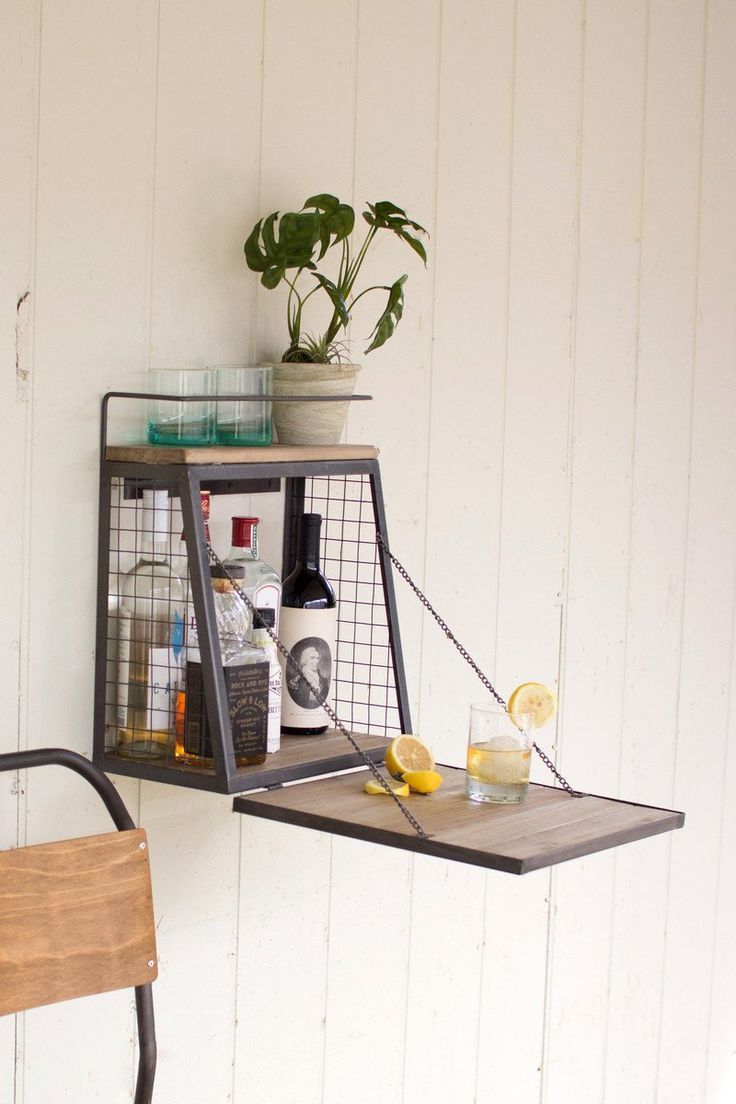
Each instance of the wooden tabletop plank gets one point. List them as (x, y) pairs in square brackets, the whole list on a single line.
[(548, 828), (271, 454)]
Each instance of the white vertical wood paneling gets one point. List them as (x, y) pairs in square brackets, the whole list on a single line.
[(703, 716), (715, 347), (606, 320), (282, 955), (555, 418), (535, 491), (466, 430), (671, 194), (97, 69), (19, 47), (670, 225)]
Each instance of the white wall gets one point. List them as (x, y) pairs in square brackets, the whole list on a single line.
[(555, 416)]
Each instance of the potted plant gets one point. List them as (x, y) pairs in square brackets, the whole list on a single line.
[(288, 249)]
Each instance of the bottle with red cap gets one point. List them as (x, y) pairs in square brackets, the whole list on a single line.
[(262, 583)]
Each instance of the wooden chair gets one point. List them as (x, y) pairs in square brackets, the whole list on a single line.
[(76, 917)]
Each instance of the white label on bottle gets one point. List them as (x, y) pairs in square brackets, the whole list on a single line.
[(310, 637), (275, 681), (161, 686), (268, 596)]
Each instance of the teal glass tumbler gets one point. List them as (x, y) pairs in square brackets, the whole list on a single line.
[(185, 424), (248, 422)]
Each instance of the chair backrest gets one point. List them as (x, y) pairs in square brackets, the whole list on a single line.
[(76, 917)]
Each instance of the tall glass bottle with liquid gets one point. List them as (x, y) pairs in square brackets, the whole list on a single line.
[(308, 630), (262, 583), (150, 639)]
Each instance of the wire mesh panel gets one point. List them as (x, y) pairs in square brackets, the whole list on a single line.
[(364, 688)]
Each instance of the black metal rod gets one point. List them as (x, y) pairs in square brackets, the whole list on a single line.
[(218, 714), (102, 646), (154, 395), (293, 509), (63, 757), (392, 613), (146, 1044)]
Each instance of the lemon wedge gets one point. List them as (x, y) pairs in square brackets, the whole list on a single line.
[(534, 698), (400, 789), (407, 753), (423, 781)]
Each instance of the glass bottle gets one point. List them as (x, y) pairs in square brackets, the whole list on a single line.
[(245, 669), (308, 630), (150, 640), (262, 583), (263, 621)]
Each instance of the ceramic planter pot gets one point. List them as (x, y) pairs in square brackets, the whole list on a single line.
[(311, 423)]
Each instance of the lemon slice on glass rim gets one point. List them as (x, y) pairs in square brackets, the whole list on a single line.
[(534, 698)]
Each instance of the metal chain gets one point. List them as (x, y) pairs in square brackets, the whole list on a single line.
[(469, 659), (215, 559)]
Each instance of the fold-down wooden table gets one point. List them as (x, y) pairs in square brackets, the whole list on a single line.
[(549, 827)]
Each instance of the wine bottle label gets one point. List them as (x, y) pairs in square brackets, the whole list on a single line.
[(310, 637), (246, 687)]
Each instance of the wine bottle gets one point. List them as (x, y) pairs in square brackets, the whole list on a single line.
[(308, 630), (262, 583), (150, 640)]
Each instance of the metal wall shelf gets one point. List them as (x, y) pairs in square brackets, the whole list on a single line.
[(343, 484)]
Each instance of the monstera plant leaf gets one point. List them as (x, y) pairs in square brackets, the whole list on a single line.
[(387, 216), (391, 316), (272, 253), (335, 297), (336, 223)]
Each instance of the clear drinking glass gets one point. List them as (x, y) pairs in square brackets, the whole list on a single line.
[(247, 422), (499, 754), (182, 423)]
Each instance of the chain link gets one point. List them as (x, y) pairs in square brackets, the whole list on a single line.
[(469, 659), (291, 664)]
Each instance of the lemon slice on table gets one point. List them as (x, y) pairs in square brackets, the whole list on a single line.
[(423, 781), (401, 789), (534, 698), (407, 753)]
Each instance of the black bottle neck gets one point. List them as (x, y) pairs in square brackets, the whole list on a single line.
[(309, 534)]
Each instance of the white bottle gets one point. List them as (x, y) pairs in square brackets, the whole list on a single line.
[(261, 639)]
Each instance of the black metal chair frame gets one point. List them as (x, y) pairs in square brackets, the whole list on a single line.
[(62, 757)]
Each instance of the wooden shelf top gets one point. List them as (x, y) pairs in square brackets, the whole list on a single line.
[(220, 454), (549, 827)]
